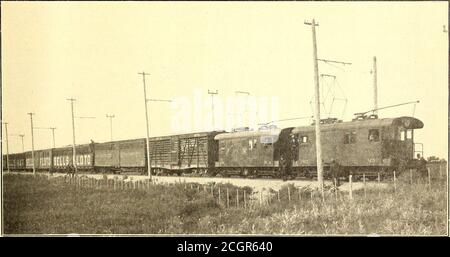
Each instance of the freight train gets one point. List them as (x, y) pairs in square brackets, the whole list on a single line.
[(366, 145)]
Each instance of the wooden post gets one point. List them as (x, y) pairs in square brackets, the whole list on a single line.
[(219, 195), (278, 192), (289, 194), (212, 190), (228, 199), (411, 176), (350, 180), (364, 185), (379, 183), (395, 183), (299, 195), (429, 177), (335, 188), (237, 198), (245, 201), (260, 198)]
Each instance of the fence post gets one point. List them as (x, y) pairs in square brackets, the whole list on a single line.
[(228, 199), (395, 183), (429, 177), (245, 201), (237, 198), (260, 198), (278, 192), (219, 196), (411, 176), (379, 183), (364, 185), (350, 180), (289, 194), (299, 195)]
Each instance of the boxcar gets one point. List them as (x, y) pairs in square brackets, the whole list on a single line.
[(253, 153), (125, 155), (44, 158), (5, 162), (29, 161), (106, 157), (63, 157), (17, 161), (360, 146), (185, 153)]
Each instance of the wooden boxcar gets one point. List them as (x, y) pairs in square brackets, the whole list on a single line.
[(29, 161), (117, 156), (5, 162), (185, 153), (17, 161), (44, 158), (63, 157), (252, 153), (361, 146)]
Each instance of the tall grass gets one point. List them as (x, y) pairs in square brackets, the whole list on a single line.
[(35, 205)]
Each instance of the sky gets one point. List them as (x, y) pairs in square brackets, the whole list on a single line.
[(93, 51)]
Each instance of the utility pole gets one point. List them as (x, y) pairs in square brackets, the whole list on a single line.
[(375, 89), (21, 136), (212, 93), (317, 109), (32, 142), (7, 147), (111, 116), (73, 135), (246, 102), (149, 168), (53, 133)]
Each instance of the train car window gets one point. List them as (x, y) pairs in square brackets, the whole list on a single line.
[(303, 139), (374, 135), (409, 134), (402, 135), (350, 138)]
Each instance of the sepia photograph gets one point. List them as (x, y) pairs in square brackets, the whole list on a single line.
[(221, 119)]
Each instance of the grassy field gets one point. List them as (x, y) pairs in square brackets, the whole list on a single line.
[(36, 205)]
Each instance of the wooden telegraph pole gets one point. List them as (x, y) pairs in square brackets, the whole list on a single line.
[(149, 168), (110, 116), (7, 146), (375, 89), (74, 163), (317, 108), (32, 142), (212, 93)]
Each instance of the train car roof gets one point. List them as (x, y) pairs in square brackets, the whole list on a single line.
[(406, 122), (243, 134)]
